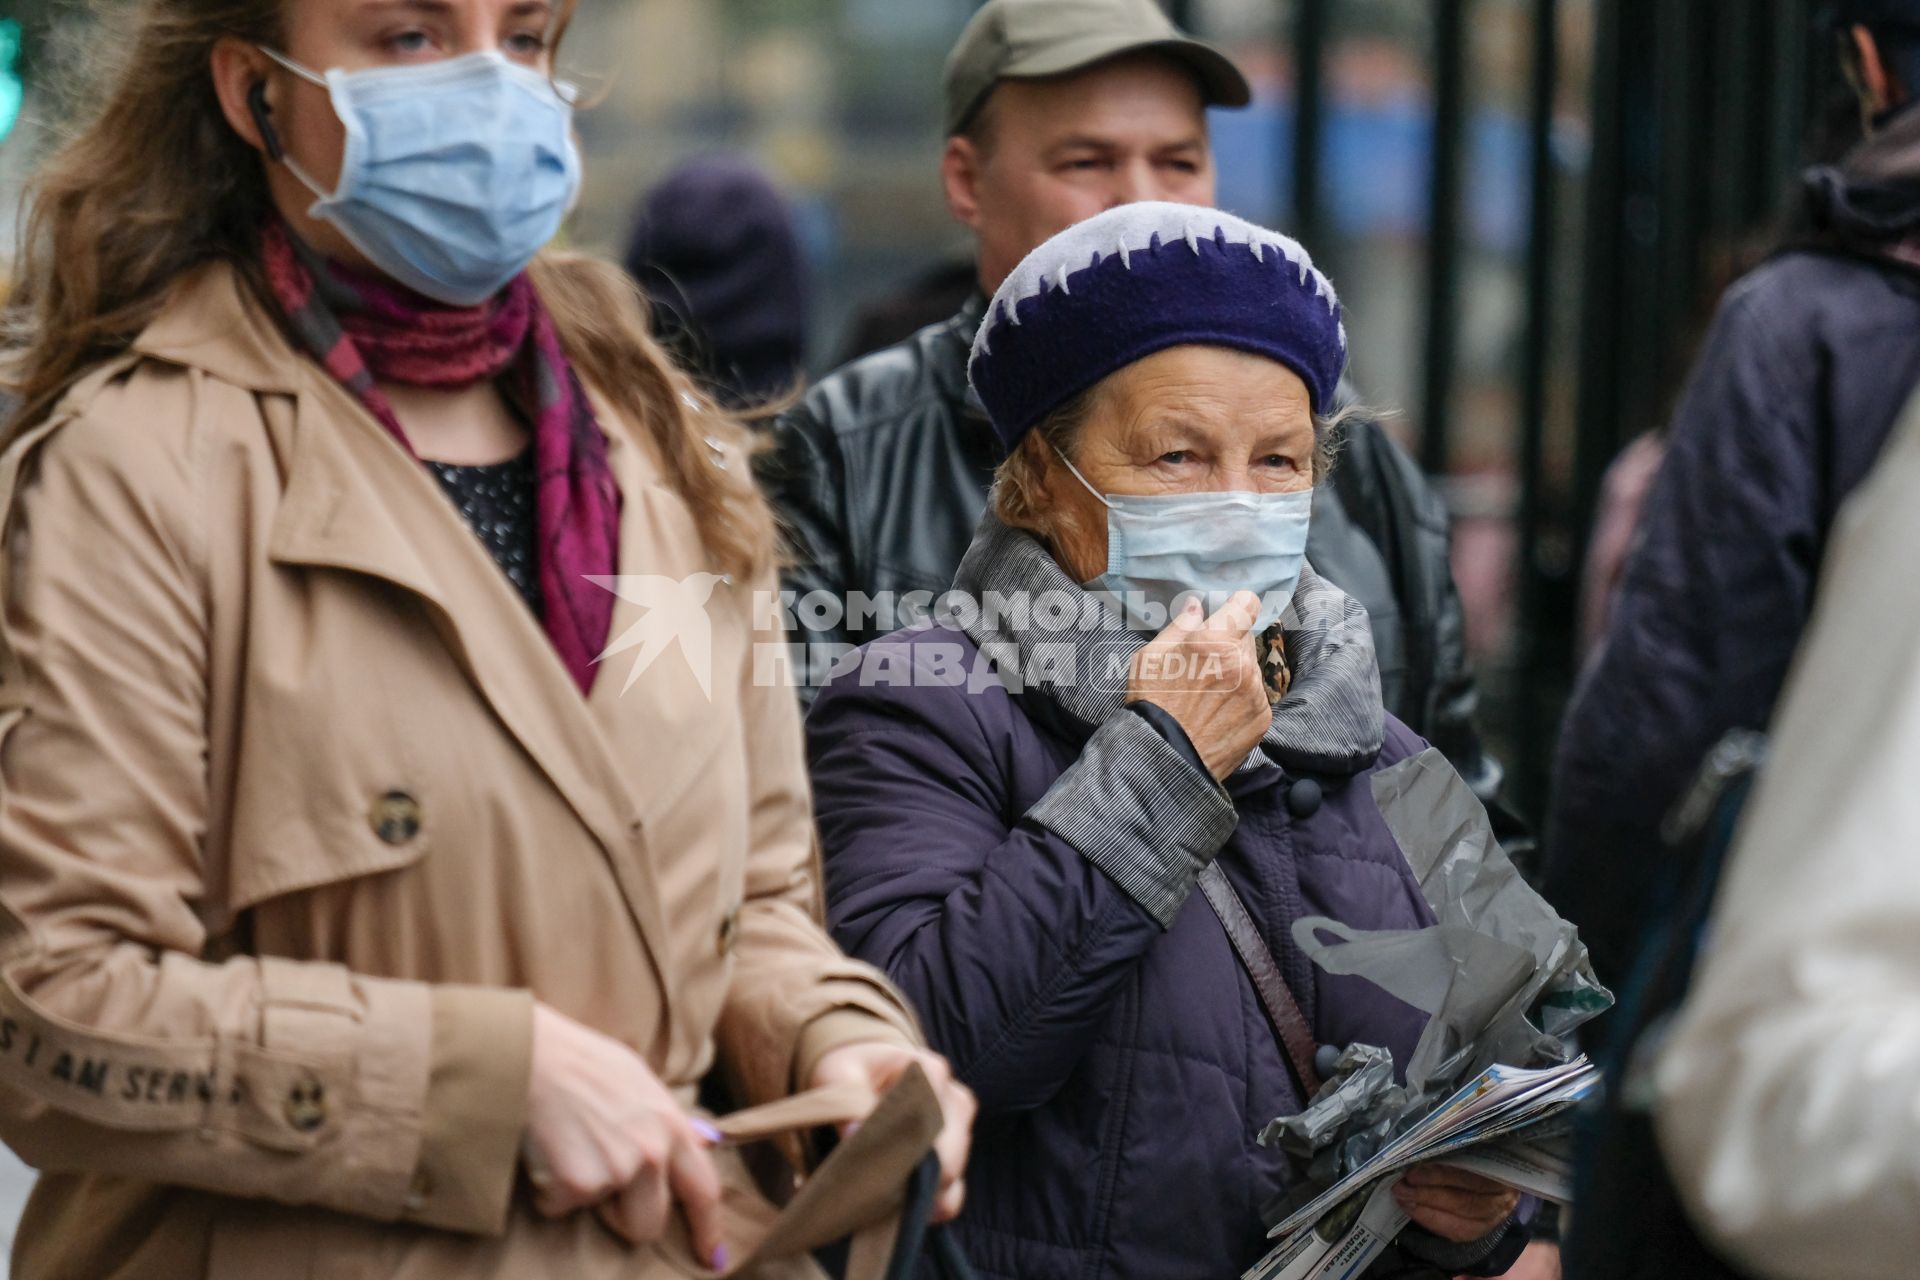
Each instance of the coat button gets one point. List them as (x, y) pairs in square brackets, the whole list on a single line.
[(729, 930), (1326, 1060), (395, 817), (307, 1106), (1304, 798)]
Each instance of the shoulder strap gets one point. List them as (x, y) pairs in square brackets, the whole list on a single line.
[(1283, 1011)]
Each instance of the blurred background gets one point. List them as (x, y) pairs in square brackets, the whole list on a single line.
[(1527, 205), (1529, 208)]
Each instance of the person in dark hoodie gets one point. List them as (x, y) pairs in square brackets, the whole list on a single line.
[(713, 247), (1808, 363)]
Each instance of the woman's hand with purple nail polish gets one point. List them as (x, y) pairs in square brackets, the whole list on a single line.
[(879, 1065)]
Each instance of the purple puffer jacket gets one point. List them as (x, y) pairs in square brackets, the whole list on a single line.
[(1123, 1069)]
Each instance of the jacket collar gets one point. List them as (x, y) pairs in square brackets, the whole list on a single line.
[(214, 323), (956, 349), (958, 333)]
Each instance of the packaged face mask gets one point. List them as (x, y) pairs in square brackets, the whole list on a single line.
[(455, 172), (1163, 548)]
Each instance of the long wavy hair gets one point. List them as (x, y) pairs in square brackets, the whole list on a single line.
[(154, 185)]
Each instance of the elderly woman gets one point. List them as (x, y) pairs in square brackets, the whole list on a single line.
[(1018, 803)]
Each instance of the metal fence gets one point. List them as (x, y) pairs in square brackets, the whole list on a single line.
[(1585, 183), (1703, 113), (1700, 112)]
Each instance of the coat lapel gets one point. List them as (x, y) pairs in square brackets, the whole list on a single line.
[(356, 503), (666, 659)]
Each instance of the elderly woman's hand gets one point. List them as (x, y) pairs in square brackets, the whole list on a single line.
[(1453, 1204), (1202, 671)]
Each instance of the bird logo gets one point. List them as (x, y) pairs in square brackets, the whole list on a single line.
[(675, 609)]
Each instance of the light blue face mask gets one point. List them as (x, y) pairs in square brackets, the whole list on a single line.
[(1165, 548), (455, 172)]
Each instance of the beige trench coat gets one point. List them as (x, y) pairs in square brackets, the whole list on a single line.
[(299, 812)]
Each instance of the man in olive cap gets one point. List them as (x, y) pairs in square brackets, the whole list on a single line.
[(1055, 111), (1101, 103)]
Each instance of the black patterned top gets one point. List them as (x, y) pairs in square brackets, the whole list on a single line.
[(497, 501)]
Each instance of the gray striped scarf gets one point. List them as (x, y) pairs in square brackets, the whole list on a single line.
[(1331, 721)]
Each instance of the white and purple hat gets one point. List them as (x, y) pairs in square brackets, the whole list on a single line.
[(1139, 279)]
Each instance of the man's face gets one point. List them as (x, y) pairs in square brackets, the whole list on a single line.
[(1055, 152)]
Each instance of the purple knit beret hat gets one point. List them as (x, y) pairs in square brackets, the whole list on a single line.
[(1139, 279)]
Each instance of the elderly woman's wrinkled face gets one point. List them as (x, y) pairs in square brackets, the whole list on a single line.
[(1185, 420)]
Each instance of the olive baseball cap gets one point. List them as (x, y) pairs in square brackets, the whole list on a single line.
[(1032, 39)]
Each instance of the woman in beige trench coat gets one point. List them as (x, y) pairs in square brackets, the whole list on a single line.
[(356, 919)]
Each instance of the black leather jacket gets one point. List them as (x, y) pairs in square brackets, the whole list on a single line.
[(881, 473)]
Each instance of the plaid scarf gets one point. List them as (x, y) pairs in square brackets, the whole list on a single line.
[(363, 329)]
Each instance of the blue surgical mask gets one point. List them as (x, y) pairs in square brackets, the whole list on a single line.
[(1165, 548), (455, 172)]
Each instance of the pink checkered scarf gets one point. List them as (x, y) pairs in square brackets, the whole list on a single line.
[(364, 329)]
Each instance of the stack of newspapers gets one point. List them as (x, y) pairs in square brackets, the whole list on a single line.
[(1501, 1125)]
